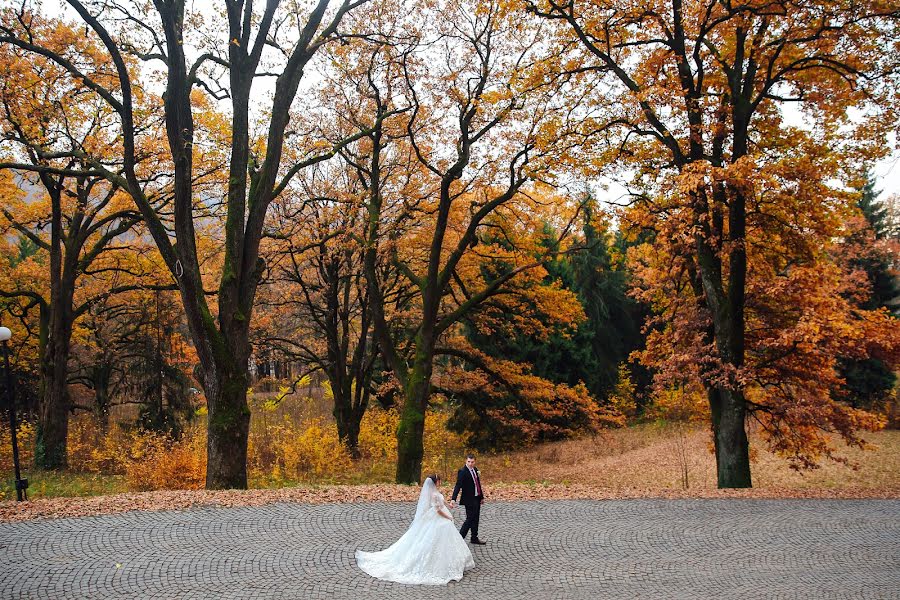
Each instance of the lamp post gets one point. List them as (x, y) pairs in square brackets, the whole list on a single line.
[(21, 484)]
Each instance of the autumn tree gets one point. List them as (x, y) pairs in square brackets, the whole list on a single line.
[(20, 313), (738, 198), (871, 248), (224, 61), (100, 360), (75, 218), (470, 129), (315, 299), (610, 331), (504, 365)]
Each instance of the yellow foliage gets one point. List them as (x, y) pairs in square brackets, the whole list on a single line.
[(91, 451), (623, 397), (300, 451), (284, 453), (149, 461), (679, 403), (25, 436), (378, 434), (443, 448), (314, 450), (161, 463)]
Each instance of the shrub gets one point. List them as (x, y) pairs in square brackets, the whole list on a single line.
[(25, 436), (307, 450), (158, 462), (378, 434)]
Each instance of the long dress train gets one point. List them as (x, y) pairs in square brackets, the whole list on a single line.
[(431, 552)]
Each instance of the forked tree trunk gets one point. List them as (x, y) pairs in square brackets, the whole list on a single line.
[(725, 296), (348, 429), (347, 416)]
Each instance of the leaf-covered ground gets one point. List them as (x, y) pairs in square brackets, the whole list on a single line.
[(55, 508), (637, 462), (659, 456)]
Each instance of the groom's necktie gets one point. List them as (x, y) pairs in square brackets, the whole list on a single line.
[(477, 485)]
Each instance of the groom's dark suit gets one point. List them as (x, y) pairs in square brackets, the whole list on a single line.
[(471, 499)]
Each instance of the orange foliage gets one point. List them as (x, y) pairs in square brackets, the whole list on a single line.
[(518, 407), (737, 206), (160, 463), (149, 461)]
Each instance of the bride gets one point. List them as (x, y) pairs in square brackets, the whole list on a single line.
[(431, 552)]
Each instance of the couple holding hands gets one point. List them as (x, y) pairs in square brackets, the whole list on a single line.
[(432, 552)]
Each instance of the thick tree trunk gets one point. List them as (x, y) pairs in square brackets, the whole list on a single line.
[(55, 404), (351, 398), (726, 305), (228, 430), (411, 432), (53, 427), (728, 410), (348, 427)]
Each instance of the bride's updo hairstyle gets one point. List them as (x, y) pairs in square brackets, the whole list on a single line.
[(435, 478)]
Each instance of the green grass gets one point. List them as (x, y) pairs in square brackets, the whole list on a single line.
[(49, 484)]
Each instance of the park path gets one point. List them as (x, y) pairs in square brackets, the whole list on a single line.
[(537, 549)]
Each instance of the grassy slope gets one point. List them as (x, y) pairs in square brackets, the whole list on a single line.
[(650, 456), (641, 457)]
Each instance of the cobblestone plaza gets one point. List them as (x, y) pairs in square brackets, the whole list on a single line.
[(538, 550)]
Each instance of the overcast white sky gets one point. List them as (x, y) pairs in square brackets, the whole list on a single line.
[(887, 171)]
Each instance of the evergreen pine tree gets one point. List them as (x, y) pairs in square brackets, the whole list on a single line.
[(873, 210), (869, 380), (592, 354)]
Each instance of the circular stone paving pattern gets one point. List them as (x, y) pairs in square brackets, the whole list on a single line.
[(539, 550)]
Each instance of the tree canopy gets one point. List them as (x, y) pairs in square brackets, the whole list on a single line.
[(402, 197)]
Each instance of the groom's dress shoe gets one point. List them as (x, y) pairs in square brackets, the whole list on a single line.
[(479, 542)]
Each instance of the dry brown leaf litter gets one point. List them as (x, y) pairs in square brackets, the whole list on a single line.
[(57, 508)]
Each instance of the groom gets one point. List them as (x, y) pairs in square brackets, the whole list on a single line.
[(468, 480)]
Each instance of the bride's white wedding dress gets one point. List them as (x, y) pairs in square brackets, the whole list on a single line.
[(431, 552)]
